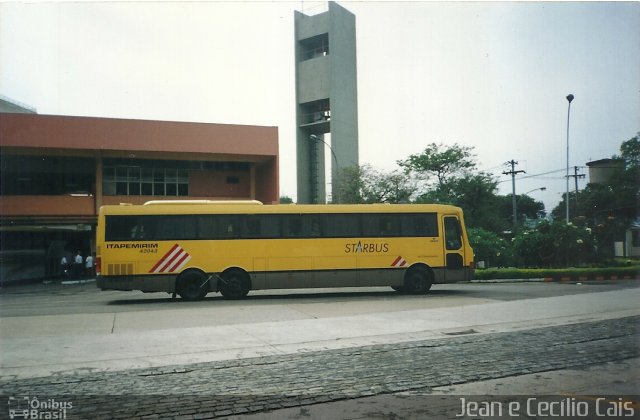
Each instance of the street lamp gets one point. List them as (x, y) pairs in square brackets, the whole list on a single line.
[(536, 189), (318, 138), (514, 201), (569, 98), (335, 158)]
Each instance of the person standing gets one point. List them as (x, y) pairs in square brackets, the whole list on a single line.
[(88, 266), (64, 267), (77, 266)]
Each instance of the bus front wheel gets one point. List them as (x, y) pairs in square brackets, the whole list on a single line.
[(417, 281), (192, 285), (235, 284)]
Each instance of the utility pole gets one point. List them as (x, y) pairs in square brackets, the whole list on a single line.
[(513, 174), (575, 176)]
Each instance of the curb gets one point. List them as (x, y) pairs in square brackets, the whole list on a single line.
[(77, 281), (531, 280), (558, 279), (586, 278)]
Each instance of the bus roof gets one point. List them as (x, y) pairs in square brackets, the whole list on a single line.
[(208, 202), (185, 207)]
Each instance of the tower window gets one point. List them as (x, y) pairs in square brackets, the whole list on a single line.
[(317, 46)]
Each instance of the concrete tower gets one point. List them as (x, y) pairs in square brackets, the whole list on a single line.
[(326, 98)]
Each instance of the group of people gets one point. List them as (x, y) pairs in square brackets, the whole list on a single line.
[(77, 267)]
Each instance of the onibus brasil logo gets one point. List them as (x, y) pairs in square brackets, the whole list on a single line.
[(34, 408)]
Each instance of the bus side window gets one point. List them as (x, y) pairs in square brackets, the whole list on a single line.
[(312, 226), (171, 227), (228, 227), (426, 225), (120, 228), (381, 225), (293, 226), (371, 225), (144, 229), (270, 226), (137, 232), (342, 225), (207, 228), (389, 226), (188, 227), (252, 226), (452, 233)]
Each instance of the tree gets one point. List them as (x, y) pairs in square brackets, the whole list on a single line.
[(440, 161), (350, 182), (609, 208), (365, 184), (630, 152), (527, 208), (286, 200), (618, 197), (488, 247), (475, 193)]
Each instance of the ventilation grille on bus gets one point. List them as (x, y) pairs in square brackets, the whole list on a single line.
[(123, 269)]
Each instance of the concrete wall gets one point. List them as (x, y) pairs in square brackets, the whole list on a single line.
[(601, 171), (314, 80), (87, 133), (331, 77), (632, 250), (344, 88)]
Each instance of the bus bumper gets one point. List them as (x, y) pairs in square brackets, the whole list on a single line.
[(152, 283)]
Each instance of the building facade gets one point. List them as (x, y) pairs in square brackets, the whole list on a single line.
[(58, 170)]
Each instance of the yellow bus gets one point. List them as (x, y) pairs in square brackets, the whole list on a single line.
[(193, 248)]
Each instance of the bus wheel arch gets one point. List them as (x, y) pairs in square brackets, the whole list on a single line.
[(192, 284), (234, 283), (418, 279)]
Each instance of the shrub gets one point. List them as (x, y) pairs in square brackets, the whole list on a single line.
[(488, 247), (554, 244), (558, 273)]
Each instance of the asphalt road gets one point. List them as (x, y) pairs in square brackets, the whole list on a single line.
[(85, 298)]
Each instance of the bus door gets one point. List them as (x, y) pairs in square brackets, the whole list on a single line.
[(453, 249)]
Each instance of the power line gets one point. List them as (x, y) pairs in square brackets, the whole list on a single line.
[(493, 168), (533, 175)]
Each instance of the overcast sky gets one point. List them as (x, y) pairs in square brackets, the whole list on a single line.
[(492, 75)]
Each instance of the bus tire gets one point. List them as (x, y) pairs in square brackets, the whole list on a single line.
[(417, 281), (235, 284), (192, 285)]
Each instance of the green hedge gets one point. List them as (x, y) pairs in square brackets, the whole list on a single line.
[(557, 273)]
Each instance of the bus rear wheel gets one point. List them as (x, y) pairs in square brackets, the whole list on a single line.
[(192, 285), (417, 281), (235, 284)]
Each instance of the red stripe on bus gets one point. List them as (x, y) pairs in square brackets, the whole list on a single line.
[(161, 260), (169, 262), (177, 261)]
